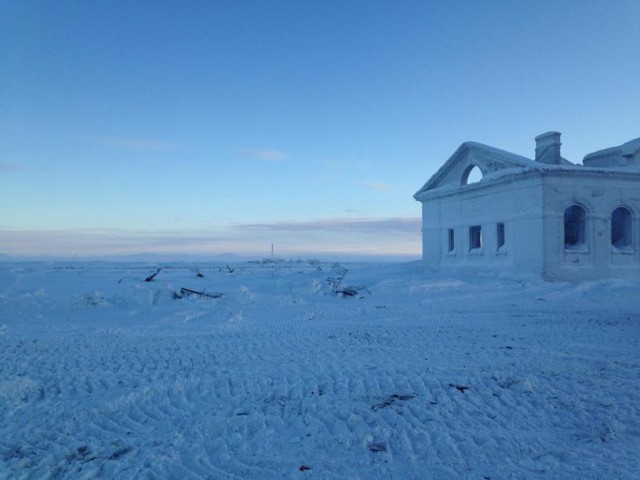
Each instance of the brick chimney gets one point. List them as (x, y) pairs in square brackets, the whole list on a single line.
[(548, 148)]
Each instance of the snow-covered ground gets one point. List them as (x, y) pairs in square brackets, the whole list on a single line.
[(428, 376)]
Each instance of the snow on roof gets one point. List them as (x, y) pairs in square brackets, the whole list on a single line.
[(496, 163), (631, 148), (503, 154), (627, 154), (490, 159)]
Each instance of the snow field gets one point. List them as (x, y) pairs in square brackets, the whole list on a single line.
[(431, 376)]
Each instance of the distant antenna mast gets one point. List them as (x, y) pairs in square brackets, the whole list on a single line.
[(272, 250)]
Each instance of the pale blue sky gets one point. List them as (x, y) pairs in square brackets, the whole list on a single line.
[(225, 126)]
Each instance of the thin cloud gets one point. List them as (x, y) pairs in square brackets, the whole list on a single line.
[(100, 241), (141, 144), (10, 167), (355, 237), (264, 155), (407, 225)]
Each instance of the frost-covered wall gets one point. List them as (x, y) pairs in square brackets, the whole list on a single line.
[(599, 194), (548, 217), (451, 221)]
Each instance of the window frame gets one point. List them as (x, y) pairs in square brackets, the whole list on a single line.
[(575, 228), (626, 227), (475, 237), (500, 236), (451, 240)]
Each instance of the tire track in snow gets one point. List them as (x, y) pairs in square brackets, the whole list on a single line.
[(237, 391)]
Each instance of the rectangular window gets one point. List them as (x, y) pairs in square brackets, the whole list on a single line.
[(500, 235), (452, 243), (475, 237)]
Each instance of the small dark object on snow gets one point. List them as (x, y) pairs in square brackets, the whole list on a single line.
[(152, 276), (188, 291), (351, 291), (378, 447), (304, 468), (119, 453), (347, 292), (199, 274), (402, 397), (389, 401), (460, 388)]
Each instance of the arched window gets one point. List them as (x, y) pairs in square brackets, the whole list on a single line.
[(575, 227), (472, 174), (621, 228)]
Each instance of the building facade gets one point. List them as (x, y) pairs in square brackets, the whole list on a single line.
[(545, 216)]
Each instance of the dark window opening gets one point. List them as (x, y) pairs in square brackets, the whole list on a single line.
[(475, 237), (621, 228), (451, 240), (500, 235), (574, 227)]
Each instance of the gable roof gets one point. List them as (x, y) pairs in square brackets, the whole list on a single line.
[(487, 159), (495, 163)]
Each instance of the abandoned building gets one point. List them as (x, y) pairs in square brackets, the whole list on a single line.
[(546, 216)]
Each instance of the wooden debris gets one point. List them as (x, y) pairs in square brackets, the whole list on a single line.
[(335, 277), (152, 276), (378, 447), (188, 291), (391, 400), (460, 388), (351, 291)]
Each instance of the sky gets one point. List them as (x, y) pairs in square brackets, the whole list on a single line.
[(211, 127)]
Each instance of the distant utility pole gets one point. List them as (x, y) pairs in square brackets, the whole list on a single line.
[(272, 250)]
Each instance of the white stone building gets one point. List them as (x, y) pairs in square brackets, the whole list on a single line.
[(546, 216)]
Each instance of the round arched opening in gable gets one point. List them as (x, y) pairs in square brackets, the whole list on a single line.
[(472, 174)]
